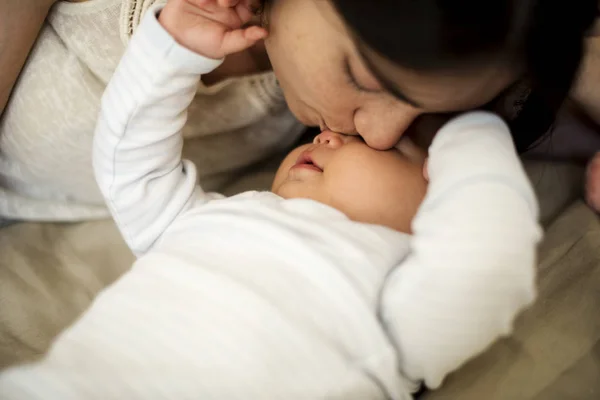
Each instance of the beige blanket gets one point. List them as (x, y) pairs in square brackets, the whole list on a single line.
[(49, 274)]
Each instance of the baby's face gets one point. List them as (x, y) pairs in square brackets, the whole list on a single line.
[(379, 187)]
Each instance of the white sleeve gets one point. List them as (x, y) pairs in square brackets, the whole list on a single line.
[(472, 263), (138, 141)]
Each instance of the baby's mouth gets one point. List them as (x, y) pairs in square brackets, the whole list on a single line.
[(306, 161)]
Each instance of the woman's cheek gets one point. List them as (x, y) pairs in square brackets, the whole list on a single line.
[(425, 127)]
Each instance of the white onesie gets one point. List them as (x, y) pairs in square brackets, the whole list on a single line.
[(257, 297)]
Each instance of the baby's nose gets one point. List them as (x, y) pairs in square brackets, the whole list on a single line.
[(329, 139)]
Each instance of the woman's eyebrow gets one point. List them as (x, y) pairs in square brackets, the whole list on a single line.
[(387, 84)]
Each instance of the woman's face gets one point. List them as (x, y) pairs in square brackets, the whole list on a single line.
[(327, 82)]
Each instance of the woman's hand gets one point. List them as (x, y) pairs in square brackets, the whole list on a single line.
[(586, 95), (212, 28), (592, 185)]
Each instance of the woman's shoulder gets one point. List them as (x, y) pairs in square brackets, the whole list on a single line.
[(125, 15)]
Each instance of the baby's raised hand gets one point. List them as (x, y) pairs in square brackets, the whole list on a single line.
[(212, 28)]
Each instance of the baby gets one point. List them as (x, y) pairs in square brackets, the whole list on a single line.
[(361, 275)]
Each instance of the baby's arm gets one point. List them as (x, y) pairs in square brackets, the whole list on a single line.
[(473, 253), (138, 142)]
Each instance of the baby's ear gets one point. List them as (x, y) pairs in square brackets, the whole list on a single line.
[(425, 170)]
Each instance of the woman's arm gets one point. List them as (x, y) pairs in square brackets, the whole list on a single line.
[(20, 23)]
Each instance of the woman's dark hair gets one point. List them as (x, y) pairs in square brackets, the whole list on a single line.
[(546, 37)]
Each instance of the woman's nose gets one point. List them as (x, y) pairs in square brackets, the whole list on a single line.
[(382, 128), (329, 139)]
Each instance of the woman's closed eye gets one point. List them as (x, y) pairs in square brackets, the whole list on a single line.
[(377, 87), (352, 79)]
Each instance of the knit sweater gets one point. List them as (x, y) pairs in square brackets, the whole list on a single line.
[(46, 131)]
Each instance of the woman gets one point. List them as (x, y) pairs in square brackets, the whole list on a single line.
[(351, 66), (336, 367)]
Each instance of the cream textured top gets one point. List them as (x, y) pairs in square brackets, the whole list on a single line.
[(46, 131)]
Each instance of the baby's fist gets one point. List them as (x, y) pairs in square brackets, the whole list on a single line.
[(212, 28)]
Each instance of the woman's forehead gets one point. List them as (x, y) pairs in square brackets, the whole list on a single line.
[(331, 16), (445, 90)]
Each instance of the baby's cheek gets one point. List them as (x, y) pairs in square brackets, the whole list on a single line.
[(342, 189), (279, 179)]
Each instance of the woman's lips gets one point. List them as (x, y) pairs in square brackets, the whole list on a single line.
[(306, 161)]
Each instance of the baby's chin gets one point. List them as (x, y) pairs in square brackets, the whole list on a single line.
[(277, 189), (287, 190), (293, 190)]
